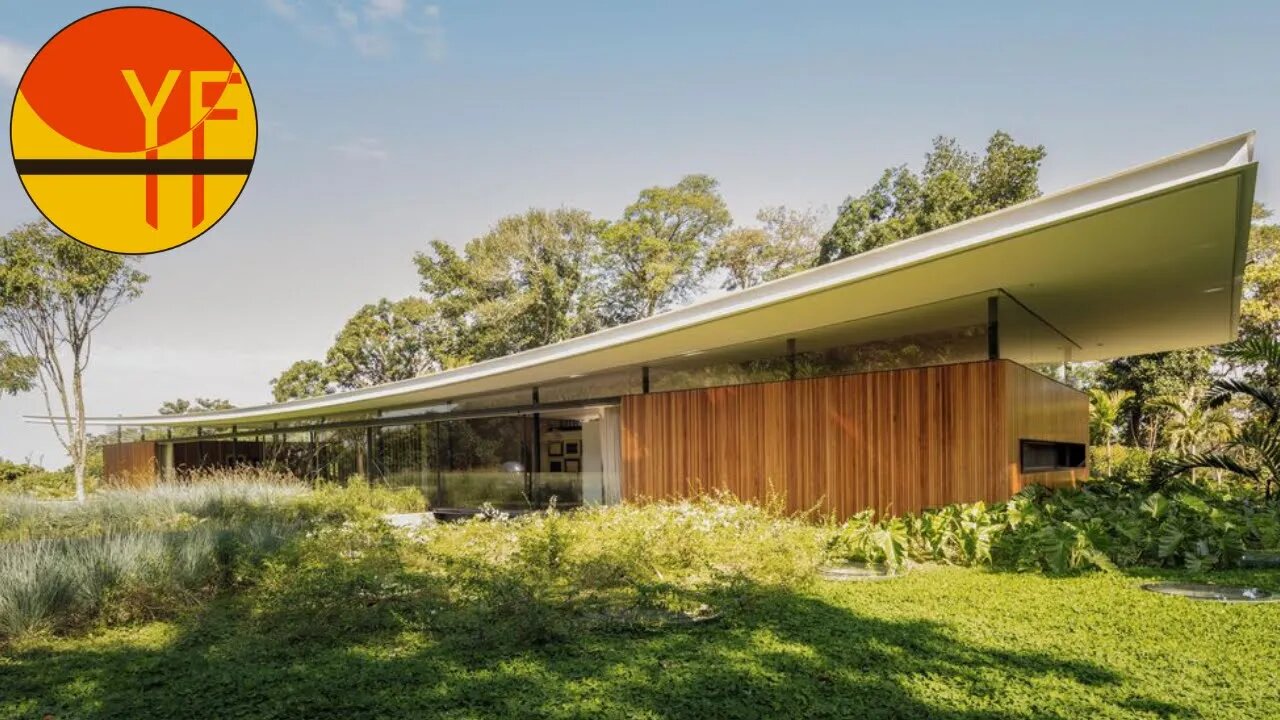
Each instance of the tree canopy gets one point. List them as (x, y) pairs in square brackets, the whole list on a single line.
[(785, 242), (182, 406), (530, 281), (17, 371), (383, 342), (954, 185), (303, 379), (654, 257), (388, 341)]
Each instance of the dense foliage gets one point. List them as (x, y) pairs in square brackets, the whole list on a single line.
[(35, 481), (1102, 526), (954, 185)]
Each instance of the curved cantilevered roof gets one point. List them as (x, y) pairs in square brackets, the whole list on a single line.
[(1145, 260)]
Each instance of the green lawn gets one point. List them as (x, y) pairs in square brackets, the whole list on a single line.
[(943, 642)]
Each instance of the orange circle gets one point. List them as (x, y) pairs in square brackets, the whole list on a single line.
[(133, 130)]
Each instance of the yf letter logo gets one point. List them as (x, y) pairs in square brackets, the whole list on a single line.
[(133, 130)]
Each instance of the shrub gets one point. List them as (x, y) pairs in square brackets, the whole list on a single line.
[(1104, 525), (58, 583), (537, 577), (35, 481)]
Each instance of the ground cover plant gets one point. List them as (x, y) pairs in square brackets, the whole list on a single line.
[(702, 608), (945, 643), (1099, 526)]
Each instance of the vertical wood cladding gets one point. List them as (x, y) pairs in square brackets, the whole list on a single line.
[(898, 441), (131, 463), (1040, 409)]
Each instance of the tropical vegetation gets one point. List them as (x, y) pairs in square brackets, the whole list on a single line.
[(256, 596)]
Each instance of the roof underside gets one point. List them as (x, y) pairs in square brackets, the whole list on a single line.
[(1147, 260)]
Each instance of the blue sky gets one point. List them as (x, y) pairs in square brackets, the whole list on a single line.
[(386, 123)]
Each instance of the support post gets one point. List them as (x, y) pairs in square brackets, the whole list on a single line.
[(791, 358), (993, 328), (368, 455), (644, 380), (535, 459)]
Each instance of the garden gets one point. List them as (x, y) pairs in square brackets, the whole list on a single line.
[(247, 594)]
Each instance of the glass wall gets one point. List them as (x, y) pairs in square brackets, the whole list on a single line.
[(952, 331), (627, 381), (482, 460), (1030, 341)]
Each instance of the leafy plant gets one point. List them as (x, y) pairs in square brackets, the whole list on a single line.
[(1253, 451)]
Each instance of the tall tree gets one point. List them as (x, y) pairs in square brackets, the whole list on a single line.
[(383, 342), (786, 242), (303, 379), (954, 185), (1260, 307), (529, 281), (388, 341), (654, 256), (54, 294), (1176, 373)]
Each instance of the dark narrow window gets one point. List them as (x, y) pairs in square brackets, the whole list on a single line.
[(1045, 456)]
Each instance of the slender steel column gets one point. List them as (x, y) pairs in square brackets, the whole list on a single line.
[(993, 328)]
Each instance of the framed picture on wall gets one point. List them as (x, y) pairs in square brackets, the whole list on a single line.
[(555, 466), (572, 448), (555, 449), (572, 466)]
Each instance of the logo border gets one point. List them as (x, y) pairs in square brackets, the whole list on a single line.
[(14, 108)]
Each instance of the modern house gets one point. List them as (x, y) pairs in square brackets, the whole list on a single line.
[(918, 374)]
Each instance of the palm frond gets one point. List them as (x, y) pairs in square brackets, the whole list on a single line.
[(1256, 350), (1215, 459), (1223, 390)]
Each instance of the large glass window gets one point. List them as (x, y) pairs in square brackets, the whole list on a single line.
[(1027, 339), (951, 331), (588, 387), (483, 460)]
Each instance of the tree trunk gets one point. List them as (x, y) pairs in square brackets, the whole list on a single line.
[(1109, 459), (78, 441)]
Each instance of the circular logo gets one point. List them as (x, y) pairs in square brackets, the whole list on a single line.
[(133, 130)]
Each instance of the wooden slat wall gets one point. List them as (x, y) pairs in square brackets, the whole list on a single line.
[(898, 441), (1040, 408), (131, 463)]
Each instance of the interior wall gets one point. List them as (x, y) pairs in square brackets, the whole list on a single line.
[(592, 467)]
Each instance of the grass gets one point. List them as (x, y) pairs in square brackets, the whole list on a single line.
[(226, 497), (947, 642), (559, 615)]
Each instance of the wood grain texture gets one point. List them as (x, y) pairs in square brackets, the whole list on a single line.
[(129, 464), (897, 441), (1040, 408)]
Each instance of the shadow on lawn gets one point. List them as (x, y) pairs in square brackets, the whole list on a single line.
[(783, 655)]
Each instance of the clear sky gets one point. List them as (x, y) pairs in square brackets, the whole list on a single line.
[(387, 123)]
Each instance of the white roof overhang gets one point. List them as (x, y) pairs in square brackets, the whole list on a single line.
[(1146, 260)]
